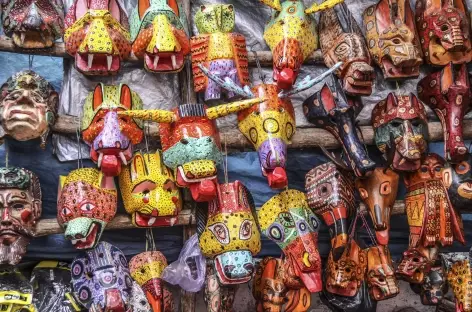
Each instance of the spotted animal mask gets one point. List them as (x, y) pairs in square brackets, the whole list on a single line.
[(330, 109), (392, 38), (459, 277), (381, 274), (448, 93), (268, 288), (149, 191), (444, 29), (20, 209), (87, 201), (159, 33), (400, 130), (341, 40), (33, 24), (146, 269), (29, 106), (97, 36), (458, 181), (414, 265), (111, 137)]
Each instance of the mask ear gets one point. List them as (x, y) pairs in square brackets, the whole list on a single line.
[(447, 177), (125, 97), (274, 4), (81, 7), (97, 96), (138, 166), (114, 9)]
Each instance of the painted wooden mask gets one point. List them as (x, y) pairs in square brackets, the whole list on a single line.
[(146, 269), (20, 209), (392, 38), (400, 129), (448, 93), (331, 110), (87, 201), (380, 276), (444, 29), (29, 106), (341, 40), (111, 137), (330, 195), (459, 277), (378, 192), (268, 288), (414, 265), (458, 181), (287, 220), (33, 24), (218, 298), (434, 286), (159, 33), (101, 280), (149, 191), (97, 36)]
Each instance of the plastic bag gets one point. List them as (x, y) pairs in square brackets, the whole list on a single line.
[(189, 270), (16, 292)]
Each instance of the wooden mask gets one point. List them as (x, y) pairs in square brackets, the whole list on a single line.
[(448, 93), (434, 286), (458, 181), (458, 267), (268, 287), (380, 276), (341, 40), (392, 38), (444, 29), (414, 265)]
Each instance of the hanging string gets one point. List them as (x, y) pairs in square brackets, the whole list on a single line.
[(150, 243), (6, 154), (79, 145), (369, 231), (188, 69), (146, 133), (225, 161), (30, 61)]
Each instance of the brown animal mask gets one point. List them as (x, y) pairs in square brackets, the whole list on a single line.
[(268, 288), (415, 263), (380, 274)]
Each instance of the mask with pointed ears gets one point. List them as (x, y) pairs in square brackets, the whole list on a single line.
[(268, 287), (458, 181), (458, 267)]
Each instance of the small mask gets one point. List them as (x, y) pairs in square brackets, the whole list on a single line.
[(146, 269), (444, 29), (414, 265), (159, 33), (29, 106), (400, 129), (330, 109), (458, 181), (380, 274), (392, 39), (341, 40), (448, 93), (434, 287), (459, 277), (149, 191), (33, 24), (330, 195), (20, 209), (268, 288), (101, 280), (16, 290), (86, 202), (97, 36), (432, 218), (378, 192), (111, 137)]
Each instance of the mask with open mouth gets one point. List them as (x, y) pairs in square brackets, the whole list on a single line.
[(415, 264), (111, 137), (159, 33), (268, 288), (458, 181), (401, 130), (458, 267), (87, 201), (28, 107), (97, 36), (380, 275), (33, 24)]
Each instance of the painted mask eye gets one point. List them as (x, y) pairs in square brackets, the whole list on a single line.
[(463, 168), (245, 231), (325, 189), (385, 188), (107, 278), (363, 192), (87, 207), (302, 227), (220, 231), (315, 223), (276, 232), (66, 212)]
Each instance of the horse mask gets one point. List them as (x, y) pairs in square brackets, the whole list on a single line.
[(97, 36), (458, 266), (458, 181)]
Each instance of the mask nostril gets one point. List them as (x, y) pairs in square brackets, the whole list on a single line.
[(184, 141)]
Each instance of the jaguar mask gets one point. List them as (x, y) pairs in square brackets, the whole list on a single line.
[(400, 131), (459, 277), (28, 107), (111, 137), (97, 36), (458, 181), (415, 265), (20, 209), (268, 288), (149, 191), (87, 201), (380, 277)]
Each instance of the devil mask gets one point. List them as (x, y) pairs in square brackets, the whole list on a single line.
[(400, 129), (392, 38), (86, 202), (20, 209), (97, 36), (268, 287), (415, 264), (380, 274), (28, 108), (448, 93), (458, 181), (458, 267)]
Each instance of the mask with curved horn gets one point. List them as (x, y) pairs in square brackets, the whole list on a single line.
[(458, 181), (458, 267)]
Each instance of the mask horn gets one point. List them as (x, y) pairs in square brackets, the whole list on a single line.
[(315, 7), (274, 4), (226, 109), (335, 159), (157, 115)]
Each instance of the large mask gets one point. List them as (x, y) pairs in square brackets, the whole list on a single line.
[(415, 264), (400, 130), (111, 137), (149, 191), (392, 38), (444, 29), (432, 218), (341, 40), (33, 24), (330, 195), (159, 35), (28, 108), (448, 93), (381, 274), (86, 202), (101, 280), (97, 36), (268, 288), (146, 269), (20, 209), (378, 192), (191, 142), (458, 181), (330, 109), (458, 268)]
